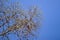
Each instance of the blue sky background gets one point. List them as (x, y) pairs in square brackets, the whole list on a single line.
[(50, 29)]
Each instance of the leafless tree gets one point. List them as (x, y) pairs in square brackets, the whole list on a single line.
[(15, 20)]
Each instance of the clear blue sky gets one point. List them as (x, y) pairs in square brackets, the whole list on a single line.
[(51, 18), (50, 29)]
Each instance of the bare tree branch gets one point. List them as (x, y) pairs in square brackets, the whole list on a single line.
[(22, 24)]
